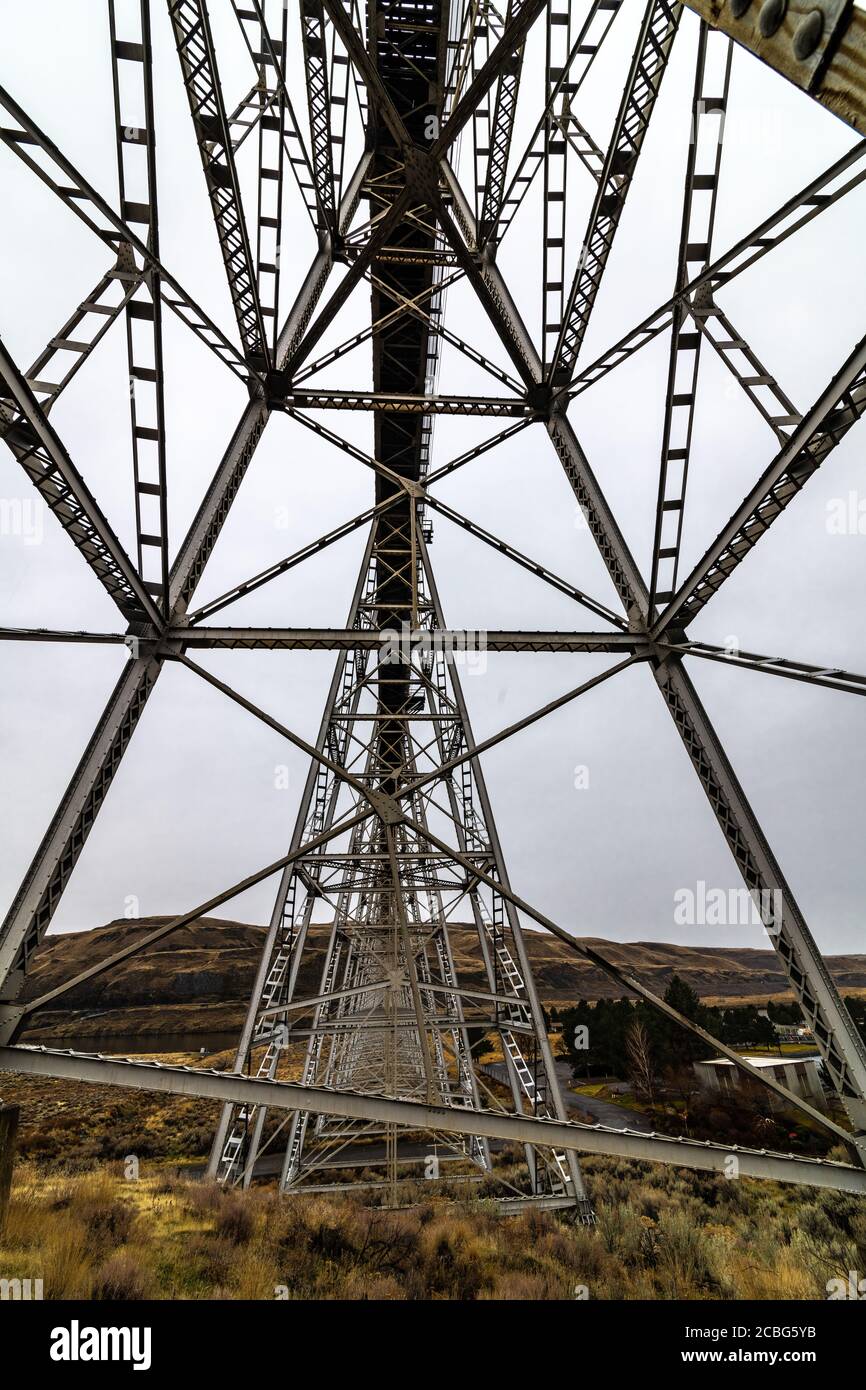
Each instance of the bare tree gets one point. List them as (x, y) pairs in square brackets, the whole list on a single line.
[(641, 1063)]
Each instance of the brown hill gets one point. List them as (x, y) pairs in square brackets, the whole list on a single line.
[(196, 982)]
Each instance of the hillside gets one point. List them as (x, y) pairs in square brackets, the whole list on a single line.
[(197, 981)]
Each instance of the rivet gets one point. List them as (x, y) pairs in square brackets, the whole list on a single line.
[(808, 35), (771, 16), (739, 7)]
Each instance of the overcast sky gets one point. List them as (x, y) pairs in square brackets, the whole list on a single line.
[(194, 806)]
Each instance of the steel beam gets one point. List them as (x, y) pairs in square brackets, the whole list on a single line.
[(501, 130), (132, 81), (415, 1115), (709, 107), (350, 639), (818, 45), (834, 1031), (43, 456), (195, 48), (71, 345), (828, 677), (315, 46), (34, 905), (396, 403)]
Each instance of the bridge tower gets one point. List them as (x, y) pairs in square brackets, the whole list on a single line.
[(389, 1012)]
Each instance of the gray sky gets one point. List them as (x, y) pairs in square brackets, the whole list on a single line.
[(194, 806)]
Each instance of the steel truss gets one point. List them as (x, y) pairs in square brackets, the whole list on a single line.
[(366, 1060)]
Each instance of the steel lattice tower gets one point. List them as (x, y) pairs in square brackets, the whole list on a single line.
[(395, 836)]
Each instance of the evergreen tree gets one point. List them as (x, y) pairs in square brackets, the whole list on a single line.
[(675, 1046)]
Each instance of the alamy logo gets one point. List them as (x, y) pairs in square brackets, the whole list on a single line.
[(728, 907), (77, 1343)]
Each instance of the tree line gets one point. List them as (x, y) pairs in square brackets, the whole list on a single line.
[(629, 1038)]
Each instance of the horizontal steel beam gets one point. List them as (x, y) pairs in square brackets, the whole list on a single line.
[(406, 404), (416, 1115), (49, 634), (354, 639)]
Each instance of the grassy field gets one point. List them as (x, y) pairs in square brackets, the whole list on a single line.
[(661, 1233)]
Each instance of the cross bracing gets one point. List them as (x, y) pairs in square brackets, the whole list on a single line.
[(405, 146)]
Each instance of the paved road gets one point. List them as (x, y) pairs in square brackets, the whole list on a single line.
[(604, 1111)]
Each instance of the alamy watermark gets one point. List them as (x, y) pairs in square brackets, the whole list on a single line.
[(22, 518), (846, 516), (728, 907), (852, 1287), (77, 1343), (467, 649), (21, 1290)]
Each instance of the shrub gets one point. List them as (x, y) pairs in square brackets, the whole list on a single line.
[(684, 1256), (123, 1277), (235, 1220)]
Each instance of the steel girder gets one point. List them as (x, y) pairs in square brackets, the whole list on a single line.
[(830, 676), (595, 1139), (819, 48), (835, 1032), (70, 347), (501, 129), (132, 53), (278, 138), (313, 32), (709, 104), (455, 639), (195, 48), (33, 907)]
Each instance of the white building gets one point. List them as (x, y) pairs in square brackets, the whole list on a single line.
[(800, 1075)]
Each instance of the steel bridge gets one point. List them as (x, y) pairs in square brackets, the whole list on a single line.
[(404, 149)]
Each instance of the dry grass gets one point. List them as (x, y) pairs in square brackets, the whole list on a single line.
[(661, 1233)]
